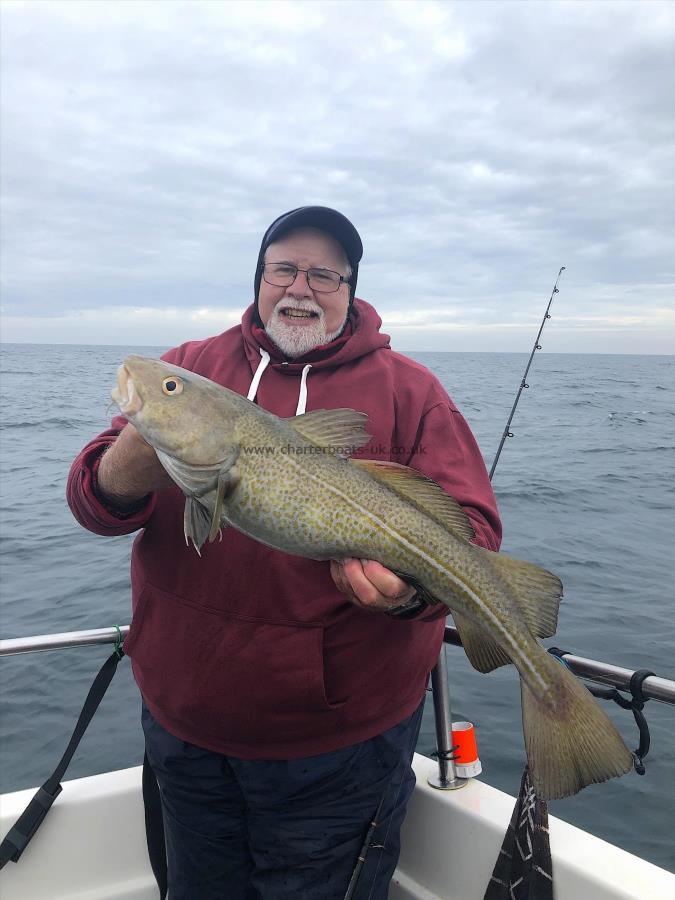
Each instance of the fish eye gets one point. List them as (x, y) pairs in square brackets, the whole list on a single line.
[(172, 386)]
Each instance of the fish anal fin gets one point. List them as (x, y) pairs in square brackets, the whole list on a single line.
[(424, 493), (338, 431), (482, 651), (537, 592)]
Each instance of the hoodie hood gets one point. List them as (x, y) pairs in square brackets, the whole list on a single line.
[(360, 337), (323, 218)]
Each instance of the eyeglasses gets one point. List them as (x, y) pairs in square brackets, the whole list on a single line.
[(284, 274)]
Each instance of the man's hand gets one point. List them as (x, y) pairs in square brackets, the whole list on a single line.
[(369, 585), (130, 469)]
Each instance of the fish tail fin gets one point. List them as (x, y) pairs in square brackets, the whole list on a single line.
[(570, 740)]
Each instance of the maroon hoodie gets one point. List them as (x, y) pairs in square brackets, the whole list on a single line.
[(249, 651)]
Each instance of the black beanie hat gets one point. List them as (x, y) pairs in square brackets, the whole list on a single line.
[(325, 219)]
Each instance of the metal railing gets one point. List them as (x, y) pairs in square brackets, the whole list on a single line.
[(40, 642), (653, 687)]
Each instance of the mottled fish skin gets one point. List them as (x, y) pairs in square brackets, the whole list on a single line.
[(324, 508), (283, 490)]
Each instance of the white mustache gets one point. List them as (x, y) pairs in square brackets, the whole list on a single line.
[(304, 305)]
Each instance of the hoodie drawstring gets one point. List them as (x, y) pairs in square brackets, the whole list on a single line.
[(262, 365), (302, 396)]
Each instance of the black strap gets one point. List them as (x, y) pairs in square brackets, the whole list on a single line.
[(19, 836), (635, 705), (154, 827)]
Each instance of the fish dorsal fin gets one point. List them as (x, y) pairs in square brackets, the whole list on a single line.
[(340, 431), (428, 496), (537, 592)]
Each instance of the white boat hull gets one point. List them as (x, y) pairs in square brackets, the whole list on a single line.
[(92, 846)]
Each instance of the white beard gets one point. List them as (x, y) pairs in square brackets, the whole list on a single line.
[(296, 340)]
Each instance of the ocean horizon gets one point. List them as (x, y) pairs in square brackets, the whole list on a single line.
[(397, 349)]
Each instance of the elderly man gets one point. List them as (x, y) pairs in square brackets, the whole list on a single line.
[(282, 697)]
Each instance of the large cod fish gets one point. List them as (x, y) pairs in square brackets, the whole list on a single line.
[(288, 484)]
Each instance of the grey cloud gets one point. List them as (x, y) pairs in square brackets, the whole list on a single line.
[(477, 148)]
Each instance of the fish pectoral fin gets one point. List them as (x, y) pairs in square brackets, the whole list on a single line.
[(424, 493), (339, 431), (196, 523), (537, 591), (483, 652)]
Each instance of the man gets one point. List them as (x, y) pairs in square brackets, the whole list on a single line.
[(283, 696)]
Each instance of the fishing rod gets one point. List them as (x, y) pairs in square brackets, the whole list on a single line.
[(637, 677), (523, 383)]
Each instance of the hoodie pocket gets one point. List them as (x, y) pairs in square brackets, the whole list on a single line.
[(207, 667)]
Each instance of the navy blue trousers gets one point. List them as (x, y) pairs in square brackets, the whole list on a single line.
[(282, 829)]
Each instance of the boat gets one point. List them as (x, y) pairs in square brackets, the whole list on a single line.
[(92, 845)]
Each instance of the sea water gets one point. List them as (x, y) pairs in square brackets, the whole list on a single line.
[(586, 488)]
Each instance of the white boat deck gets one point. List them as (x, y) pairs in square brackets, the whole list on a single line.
[(91, 846)]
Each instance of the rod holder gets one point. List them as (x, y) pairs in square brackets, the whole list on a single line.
[(446, 779)]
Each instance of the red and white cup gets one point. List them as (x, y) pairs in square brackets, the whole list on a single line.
[(467, 762)]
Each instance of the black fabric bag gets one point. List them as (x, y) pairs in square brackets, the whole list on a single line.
[(523, 870)]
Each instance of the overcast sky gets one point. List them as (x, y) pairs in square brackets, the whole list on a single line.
[(477, 147)]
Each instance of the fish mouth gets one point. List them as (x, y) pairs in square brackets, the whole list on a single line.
[(125, 394)]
